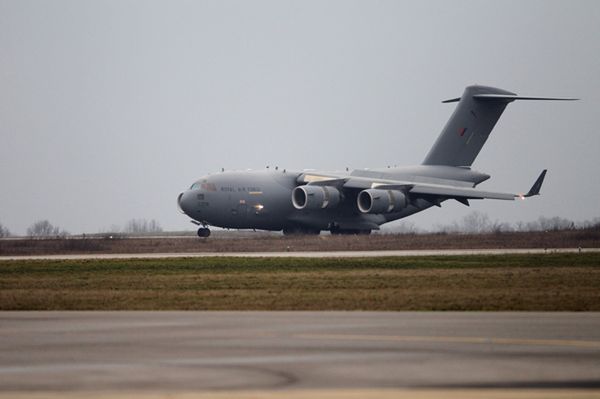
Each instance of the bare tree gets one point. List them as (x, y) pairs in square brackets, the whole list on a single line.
[(520, 226), (551, 224), (3, 231), (448, 228), (593, 224), (407, 227), (142, 226), (154, 227), (501, 227), (44, 228), (476, 222)]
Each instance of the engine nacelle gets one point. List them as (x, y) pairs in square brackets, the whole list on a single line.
[(315, 197), (381, 201)]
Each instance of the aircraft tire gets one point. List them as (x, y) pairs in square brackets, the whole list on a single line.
[(296, 231), (355, 232), (203, 232)]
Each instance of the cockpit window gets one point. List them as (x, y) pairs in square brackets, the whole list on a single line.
[(203, 185)]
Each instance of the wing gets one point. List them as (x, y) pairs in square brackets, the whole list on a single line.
[(459, 192), (452, 190), (463, 193)]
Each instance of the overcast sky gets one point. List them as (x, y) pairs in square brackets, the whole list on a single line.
[(109, 109)]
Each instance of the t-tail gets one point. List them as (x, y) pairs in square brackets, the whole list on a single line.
[(467, 130)]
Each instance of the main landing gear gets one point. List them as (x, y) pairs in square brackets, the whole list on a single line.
[(296, 231), (358, 232)]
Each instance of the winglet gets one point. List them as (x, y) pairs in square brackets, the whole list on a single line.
[(535, 189)]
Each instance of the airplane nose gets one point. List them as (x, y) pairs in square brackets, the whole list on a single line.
[(179, 203), (184, 203)]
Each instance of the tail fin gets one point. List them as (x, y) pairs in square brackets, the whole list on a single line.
[(468, 128)]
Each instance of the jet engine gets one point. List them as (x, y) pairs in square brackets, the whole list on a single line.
[(381, 201), (315, 197)]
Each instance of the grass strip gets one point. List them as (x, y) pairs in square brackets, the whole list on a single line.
[(504, 282)]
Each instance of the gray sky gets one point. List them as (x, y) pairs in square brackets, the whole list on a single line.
[(109, 109)]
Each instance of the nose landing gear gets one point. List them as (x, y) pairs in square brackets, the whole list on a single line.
[(203, 232)]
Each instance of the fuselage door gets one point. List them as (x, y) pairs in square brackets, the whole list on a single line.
[(242, 210), (239, 212)]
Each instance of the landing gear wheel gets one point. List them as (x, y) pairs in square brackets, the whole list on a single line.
[(203, 232), (338, 231), (297, 231)]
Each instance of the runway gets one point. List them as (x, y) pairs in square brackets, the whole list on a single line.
[(299, 354), (305, 254)]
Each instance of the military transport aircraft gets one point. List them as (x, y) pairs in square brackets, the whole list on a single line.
[(358, 201)]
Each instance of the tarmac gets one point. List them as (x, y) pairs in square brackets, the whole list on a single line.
[(299, 354), (305, 254)]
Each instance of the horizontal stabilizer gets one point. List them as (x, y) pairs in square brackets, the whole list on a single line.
[(509, 98), (516, 97)]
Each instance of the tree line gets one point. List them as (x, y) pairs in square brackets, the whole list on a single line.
[(472, 223), (43, 228), (479, 222)]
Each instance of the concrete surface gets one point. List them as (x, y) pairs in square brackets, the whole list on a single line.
[(307, 254), (299, 354)]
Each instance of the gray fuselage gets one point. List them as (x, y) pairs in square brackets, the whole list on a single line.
[(263, 199)]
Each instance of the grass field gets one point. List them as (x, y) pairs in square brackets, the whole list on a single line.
[(508, 282)]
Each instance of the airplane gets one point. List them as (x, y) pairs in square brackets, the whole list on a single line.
[(360, 200)]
